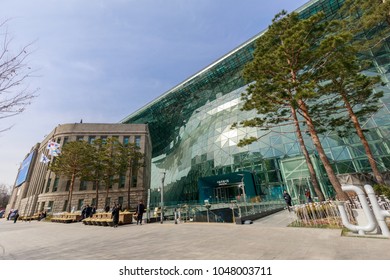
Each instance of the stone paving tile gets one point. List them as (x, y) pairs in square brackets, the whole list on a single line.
[(267, 239)]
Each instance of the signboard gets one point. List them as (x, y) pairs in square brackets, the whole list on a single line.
[(24, 168)]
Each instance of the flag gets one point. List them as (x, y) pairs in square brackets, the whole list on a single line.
[(54, 148), (55, 153), (44, 159)]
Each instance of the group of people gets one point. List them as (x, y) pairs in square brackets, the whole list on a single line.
[(42, 216), (118, 208), (288, 200), (13, 215), (88, 211)]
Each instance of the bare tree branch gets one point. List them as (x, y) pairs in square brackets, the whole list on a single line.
[(15, 94)]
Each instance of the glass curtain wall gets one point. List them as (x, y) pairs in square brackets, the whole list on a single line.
[(190, 128)]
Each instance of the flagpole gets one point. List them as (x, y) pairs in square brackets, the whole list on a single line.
[(41, 190)]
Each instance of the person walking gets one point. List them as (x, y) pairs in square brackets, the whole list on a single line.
[(140, 212), (115, 215), (88, 211), (308, 196), (287, 198), (93, 211), (16, 217)]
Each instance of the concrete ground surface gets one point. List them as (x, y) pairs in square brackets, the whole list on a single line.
[(266, 239)]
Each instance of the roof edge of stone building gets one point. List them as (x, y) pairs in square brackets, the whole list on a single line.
[(243, 45), (97, 128)]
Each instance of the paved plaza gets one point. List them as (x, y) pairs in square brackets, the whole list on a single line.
[(268, 239)]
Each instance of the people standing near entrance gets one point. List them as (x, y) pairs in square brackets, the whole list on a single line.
[(287, 198), (308, 196), (140, 212)]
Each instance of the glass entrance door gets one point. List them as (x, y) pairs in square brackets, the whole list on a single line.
[(297, 188), (226, 193)]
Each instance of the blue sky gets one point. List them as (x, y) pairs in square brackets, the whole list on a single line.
[(102, 60)]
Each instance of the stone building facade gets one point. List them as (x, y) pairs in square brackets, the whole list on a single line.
[(42, 190)]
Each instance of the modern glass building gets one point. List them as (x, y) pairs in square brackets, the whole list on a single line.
[(195, 154)]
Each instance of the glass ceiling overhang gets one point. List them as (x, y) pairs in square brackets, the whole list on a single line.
[(167, 113)]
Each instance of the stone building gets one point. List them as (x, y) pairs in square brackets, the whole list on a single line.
[(37, 188)]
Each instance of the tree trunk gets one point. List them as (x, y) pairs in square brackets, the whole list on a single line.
[(129, 187), (97, 193), (371, 160), (341, 195), (313, 177), (107, 191), (71, 192)]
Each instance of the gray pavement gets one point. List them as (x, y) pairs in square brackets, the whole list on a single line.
[(267, 239)]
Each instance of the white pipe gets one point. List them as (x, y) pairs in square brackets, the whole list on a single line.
[(371, 225), (344, 218), (380, 214)]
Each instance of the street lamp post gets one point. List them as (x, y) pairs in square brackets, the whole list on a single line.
[(208, 206), (162, 199), (242, 187)]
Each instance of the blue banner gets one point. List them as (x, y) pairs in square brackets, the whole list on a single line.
[(24, 168)]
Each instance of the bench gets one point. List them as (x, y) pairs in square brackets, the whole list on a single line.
[(66, 218), (104, 219), (29, 218)]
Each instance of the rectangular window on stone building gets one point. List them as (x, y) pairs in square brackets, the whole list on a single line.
[(42, 206), (91, 139), (67, 186), (108, 201), (65, 205), (111, 182), (80, 204), (50, 206), (122, 180), (137, 140), (134, 181), (104, 139), (48, 185), (79, 138), (126, 140), (58, 140), (55, 185), (120, 200), (66, 139), (83, 185), (93, 202)]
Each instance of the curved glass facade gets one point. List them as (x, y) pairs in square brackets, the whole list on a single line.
[(190, 128)]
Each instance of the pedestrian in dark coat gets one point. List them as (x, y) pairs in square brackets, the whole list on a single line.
[(140, 212), (88, 211), (287, 198), (16, 217), (93, 211), (115, 216)]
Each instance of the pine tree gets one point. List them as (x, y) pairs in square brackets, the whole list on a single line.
[(113, 162), (285, 68), (73, 162), (133, 162), (350, 96)]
